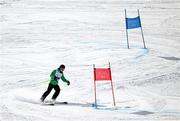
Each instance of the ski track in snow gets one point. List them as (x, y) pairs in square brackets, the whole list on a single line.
[(37, 36)]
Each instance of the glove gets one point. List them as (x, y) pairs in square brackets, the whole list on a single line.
[(68, 83), (56, 78)]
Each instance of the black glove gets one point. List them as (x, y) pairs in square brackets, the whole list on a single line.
[(56, 78), (68, 83)]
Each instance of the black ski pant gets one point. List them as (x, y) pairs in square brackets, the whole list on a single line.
[(50, 87)]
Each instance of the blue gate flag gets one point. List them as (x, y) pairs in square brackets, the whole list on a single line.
[(132, 23)]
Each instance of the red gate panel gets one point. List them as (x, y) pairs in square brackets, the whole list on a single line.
[(102, 74)]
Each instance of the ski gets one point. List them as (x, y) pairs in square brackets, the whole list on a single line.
[(48, 102)]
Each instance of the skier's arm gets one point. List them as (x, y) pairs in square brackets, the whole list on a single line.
[(53, 74), (64, 79)]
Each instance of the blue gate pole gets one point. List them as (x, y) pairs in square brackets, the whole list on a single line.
[(126, 30), (141, 30)]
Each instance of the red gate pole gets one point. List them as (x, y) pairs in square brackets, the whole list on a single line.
[(112, 86), (94, 85)]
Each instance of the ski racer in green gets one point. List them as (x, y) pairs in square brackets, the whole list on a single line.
[(56, 75)]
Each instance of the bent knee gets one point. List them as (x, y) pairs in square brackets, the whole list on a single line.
[(58, 90)]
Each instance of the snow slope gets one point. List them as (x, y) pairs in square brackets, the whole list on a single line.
[(36, 36)]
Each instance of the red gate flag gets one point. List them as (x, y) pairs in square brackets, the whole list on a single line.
[(103, 74)]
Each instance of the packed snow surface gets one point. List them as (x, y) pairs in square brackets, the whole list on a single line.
[(36, 36)]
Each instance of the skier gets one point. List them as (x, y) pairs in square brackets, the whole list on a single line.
[(56, 75)]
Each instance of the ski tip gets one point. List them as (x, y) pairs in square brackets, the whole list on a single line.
[(65, 102)]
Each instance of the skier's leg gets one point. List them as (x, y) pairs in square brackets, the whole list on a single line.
[(47, 92), (57, 90)]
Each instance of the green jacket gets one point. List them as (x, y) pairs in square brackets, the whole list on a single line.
[(58, 74)]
